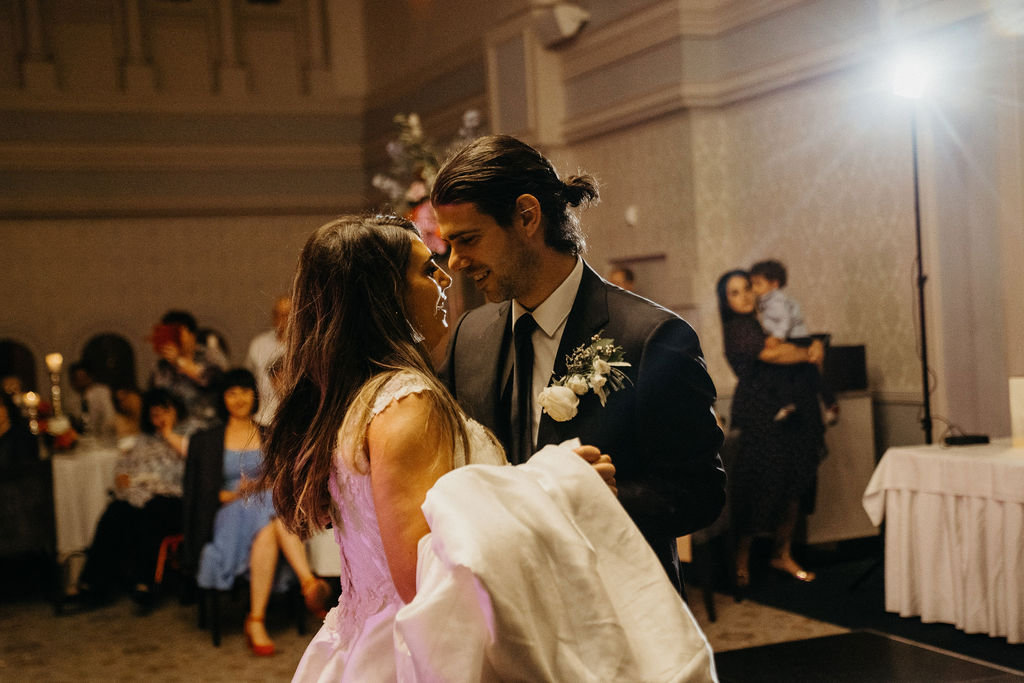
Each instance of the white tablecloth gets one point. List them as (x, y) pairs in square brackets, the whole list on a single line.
[(954, 539), (81, 480), (323, 553)]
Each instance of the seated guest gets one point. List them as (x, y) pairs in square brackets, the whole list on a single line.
[(26, 489), (217, 350), (186, 368), (18, 447), (145, 509), (264, 349), (623, 277), (127, 415), (92, 411), (11, 385), (227, 536)]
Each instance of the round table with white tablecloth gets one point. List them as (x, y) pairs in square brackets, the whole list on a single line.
[(323, 553), (953, 539), (82, 480)]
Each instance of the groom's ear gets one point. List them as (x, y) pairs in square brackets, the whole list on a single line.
[(527, 217)]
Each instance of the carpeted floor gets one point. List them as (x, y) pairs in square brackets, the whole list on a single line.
[(113, 643)]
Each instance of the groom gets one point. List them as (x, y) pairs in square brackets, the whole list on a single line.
[(511, 225)]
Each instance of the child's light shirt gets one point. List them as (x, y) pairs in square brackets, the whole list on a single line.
[(781, 316)]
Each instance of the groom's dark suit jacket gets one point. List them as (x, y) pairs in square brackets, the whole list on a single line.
[(660, 429)]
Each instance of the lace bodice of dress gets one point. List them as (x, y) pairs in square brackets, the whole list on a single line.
[(366, 583)]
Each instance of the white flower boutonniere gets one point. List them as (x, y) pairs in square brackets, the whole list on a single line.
[(591, 367)]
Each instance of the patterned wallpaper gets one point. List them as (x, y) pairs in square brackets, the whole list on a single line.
[(647, 167), (72, 279), (818, 176)]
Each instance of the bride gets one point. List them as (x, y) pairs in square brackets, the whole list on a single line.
[(455, 566)]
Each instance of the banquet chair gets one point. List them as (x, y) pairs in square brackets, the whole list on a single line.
[(167, 557), (708, 542), (211, 601)]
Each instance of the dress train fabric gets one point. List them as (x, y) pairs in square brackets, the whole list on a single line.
[(536, 573), (531, 573)]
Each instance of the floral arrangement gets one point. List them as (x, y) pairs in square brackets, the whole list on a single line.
[(415, 159), (57, 428), (591, 367), (64, 435)]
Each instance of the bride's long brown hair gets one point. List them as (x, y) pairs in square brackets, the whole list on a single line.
[(348, 323)]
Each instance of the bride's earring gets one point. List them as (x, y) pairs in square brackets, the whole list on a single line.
[(441, 307), (417, 337)]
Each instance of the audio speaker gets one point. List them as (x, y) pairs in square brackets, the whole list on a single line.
[(846, 368)]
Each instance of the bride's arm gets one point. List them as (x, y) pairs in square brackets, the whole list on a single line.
[(406, 459)]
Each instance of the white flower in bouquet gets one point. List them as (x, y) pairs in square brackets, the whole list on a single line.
[(396, 150), (56, 426), (470, 125), (389, 186), (415, 158), (591, 367), (416, 193), (415, 127), (578, 384), (559, 402)]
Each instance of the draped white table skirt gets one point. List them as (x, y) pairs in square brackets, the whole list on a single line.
[(954, 540), (323, 554), (81, 482)]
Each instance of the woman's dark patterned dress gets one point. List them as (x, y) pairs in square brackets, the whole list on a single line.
[(777, 461)]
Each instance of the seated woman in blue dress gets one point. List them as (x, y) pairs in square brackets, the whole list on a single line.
[(226, 535)]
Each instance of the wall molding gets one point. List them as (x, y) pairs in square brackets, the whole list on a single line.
[(730, 89), (663, 21), (18, 100), (703, 18), (897, 397), (678, 20), (616, 42), (391, 94), (924, 15), (71, 207), (114, 157)]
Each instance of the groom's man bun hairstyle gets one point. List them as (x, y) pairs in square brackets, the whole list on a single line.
[(493, 171)]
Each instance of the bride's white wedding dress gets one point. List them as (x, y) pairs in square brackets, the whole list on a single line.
[(531, 573)]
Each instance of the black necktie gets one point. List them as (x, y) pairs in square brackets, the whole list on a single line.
[(522, 391)]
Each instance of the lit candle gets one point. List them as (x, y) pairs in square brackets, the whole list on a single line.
[(31, 399), (54, 361)]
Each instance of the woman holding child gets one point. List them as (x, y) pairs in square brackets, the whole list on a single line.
[(779, 450)]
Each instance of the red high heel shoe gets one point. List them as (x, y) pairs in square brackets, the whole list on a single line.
[(258, 650), (315, 593)]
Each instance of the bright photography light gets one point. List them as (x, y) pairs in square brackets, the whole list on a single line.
[(911, 76)]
